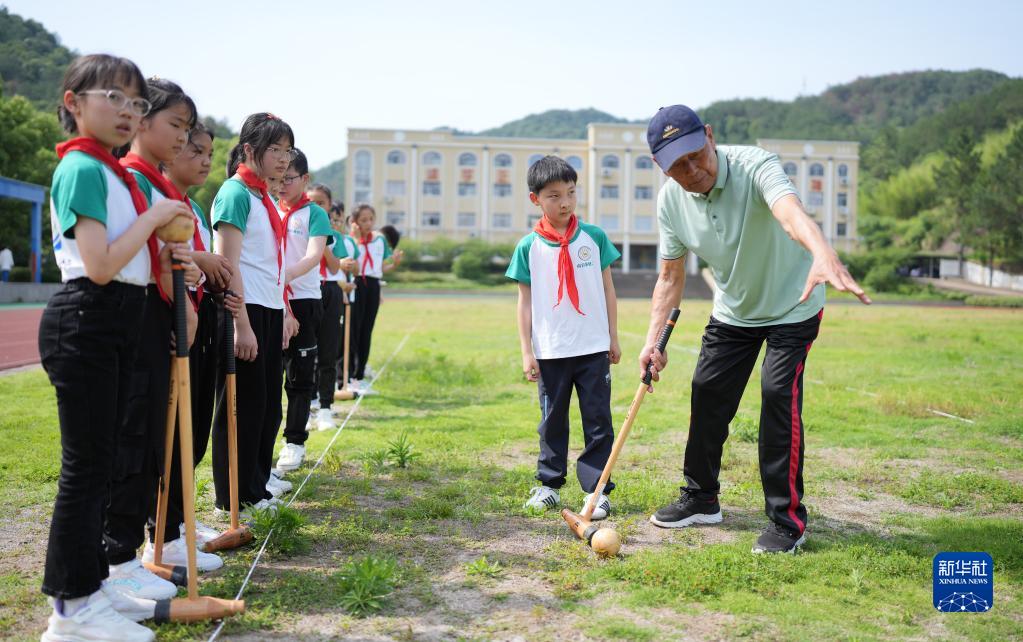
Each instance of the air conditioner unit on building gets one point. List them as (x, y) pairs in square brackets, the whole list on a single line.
[(606, 172), (843, 181)]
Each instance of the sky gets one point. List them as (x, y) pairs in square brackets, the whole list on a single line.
[(326, 66)]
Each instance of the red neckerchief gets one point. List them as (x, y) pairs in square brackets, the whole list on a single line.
[(93, 148), (168, 189), (252, 181), (566, 272), (288, 211), (364, 241)]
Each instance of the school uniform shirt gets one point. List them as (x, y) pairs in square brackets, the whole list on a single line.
[(205, 232), (84, 186), (237, 206), (304, 224), (379, 250), (560, 332), (343, 247)]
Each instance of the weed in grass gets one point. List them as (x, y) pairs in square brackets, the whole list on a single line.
[(949, 491), (333, 462), (744, 429), (202, 487), (484, 568), (285, 523), (374, 461), (366, 583), (400, 451)]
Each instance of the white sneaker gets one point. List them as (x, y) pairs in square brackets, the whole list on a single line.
[(96, 620), (291, 457), (131, 578), (369, 372), (134, 608), (543, 497), (175, 553), (314, 405), (602, 508), (274, 491), (203, 533), (277, 479), (324, 419)]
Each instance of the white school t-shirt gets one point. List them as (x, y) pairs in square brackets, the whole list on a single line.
[(84, 186), (379, 250), (560, 331), (263, 280), (304, 224)]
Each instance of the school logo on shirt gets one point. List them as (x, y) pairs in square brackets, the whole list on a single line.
[(584, 253)]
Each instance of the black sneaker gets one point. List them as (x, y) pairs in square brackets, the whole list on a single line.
[(778, 539), (688, 509)]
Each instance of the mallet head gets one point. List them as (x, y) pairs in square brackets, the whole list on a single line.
[(179, 230)]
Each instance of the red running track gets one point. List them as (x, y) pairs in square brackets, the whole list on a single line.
[(19, 337)]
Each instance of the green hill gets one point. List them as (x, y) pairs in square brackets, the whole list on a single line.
[(32, 60), (554, 123), (333, 176)]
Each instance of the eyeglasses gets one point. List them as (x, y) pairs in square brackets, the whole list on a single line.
[(290, 154), (119, 100), (288, 180)]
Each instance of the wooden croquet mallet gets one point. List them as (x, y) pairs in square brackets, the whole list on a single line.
[(344, 394), (605, 541), (238, 535)]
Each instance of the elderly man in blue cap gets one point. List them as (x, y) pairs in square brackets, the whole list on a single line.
[(737, 210)]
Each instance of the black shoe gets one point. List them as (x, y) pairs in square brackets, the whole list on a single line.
[(688, 509), (778, 539)]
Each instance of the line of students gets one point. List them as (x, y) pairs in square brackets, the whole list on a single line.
[(267, 256)]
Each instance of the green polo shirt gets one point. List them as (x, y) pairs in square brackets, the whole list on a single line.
[(760, 272)]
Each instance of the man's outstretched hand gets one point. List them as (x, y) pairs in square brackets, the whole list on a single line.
[(828, 269)]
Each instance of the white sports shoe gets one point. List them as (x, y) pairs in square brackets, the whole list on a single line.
[(176, 554), (291, 457), (131, 578), (602, 508), (96, 620), (314, 405), (543, 497), (369, 372), (277, 479), (203, 533), (134, 608), (324, 419)]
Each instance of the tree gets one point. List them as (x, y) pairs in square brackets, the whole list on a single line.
[(996, 221), (957, 182), (204, 194)]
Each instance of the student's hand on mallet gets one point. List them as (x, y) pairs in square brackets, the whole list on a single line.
[(245, 346), (348, 265), (615, 352), (651, 354), (233, 303), (290, 330), (530, 367), (217, 269), (192, 272), (827, 268), (348, 288)]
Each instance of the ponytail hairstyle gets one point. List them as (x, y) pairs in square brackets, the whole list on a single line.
[(164, 94), (259, 131), (392, 235), (98, 71)]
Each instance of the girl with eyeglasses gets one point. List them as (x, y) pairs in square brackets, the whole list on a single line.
[(105, 247), (249, 232)]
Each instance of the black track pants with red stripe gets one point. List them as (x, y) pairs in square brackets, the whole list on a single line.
[(727, 357)]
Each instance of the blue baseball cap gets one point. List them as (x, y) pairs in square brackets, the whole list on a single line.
[(674, 132)]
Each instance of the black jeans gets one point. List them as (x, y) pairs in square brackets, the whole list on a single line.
[(259, 412), (203, 366), (140, 445), (300, 368), (328, 340), (87, 340), (591, 376), (367, 304), (726, 361)]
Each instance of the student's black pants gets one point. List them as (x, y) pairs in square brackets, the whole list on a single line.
[(726, 361), (300, 368), (259, 412), (88, 336), (328, 339), (590, 375), (367, 304), (139, 458), (203, 365)]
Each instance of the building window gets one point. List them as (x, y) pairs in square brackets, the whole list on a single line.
[(395, 188), (362, 196), (843, 199), (816, 199), (840, 229), (643, 223), (502, 189), (467, 189), (467, 159), (363, 169), (533, 159), (532, 220), (790, 169), (644, 192), (609, 191), (431, 219), (644, 162), (431, 188), (816, 169), (843, 170), (503, 160), (609, 162), (609, 222), (467, 219), (575, 162), (431, 158), (502, 221), (397, 219), (395, 157)]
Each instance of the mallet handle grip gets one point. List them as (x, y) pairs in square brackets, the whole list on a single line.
[(662, 342)]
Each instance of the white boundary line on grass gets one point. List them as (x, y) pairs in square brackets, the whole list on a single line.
[(294, 495)]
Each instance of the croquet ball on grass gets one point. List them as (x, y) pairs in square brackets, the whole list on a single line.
[(606, 542)]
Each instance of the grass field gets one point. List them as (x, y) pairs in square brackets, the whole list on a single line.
[(442, 548)]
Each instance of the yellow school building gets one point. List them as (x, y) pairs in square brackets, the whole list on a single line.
[(436, 183)]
